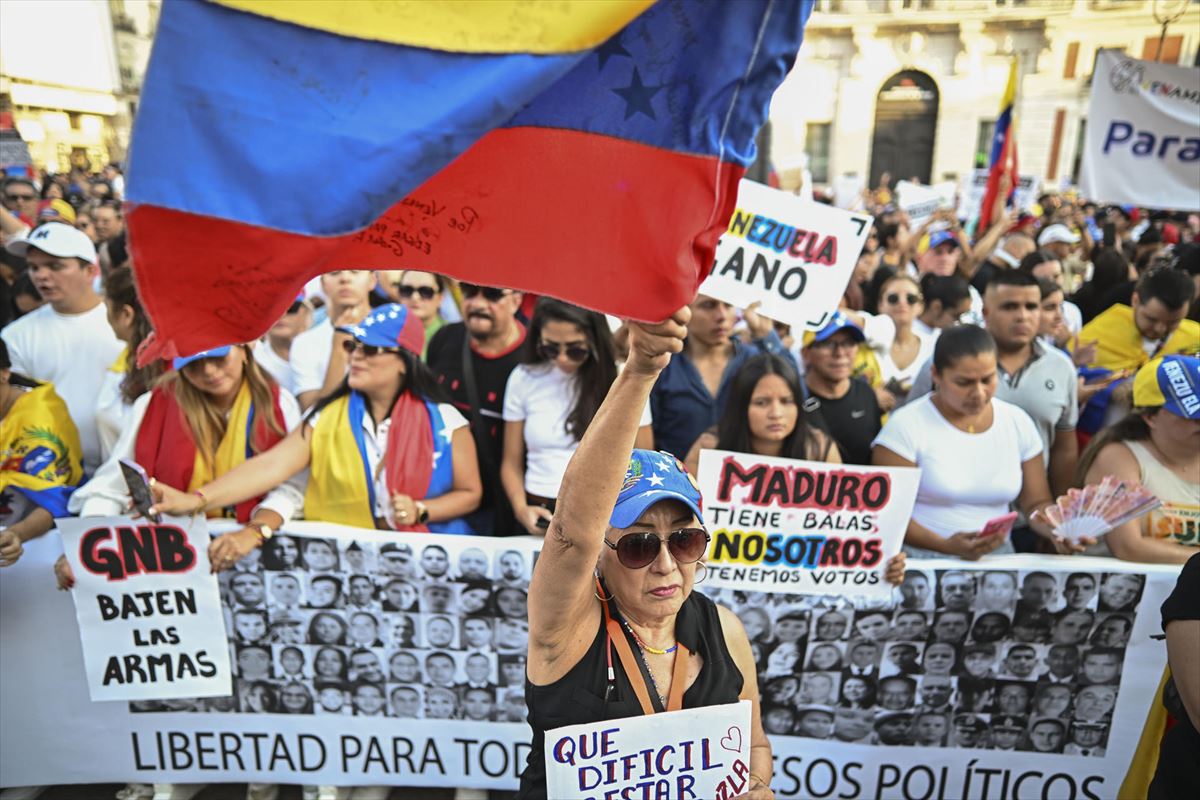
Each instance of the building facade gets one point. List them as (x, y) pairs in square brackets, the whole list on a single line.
[(913, 87), (70, 72)]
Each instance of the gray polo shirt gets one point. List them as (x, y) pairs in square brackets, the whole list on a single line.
[(1046, 388)]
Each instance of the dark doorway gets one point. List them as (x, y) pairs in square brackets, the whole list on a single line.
[(905, 125)]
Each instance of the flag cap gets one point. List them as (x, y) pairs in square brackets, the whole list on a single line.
[(1171, 383), (651, 478)]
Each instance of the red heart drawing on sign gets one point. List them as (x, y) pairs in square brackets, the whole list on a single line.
[(732, 740)]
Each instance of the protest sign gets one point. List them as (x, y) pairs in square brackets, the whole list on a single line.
[(920, 201), (148, 608), (848, 192), (970, 198), (804, 526), (1143, 134), (266, 731), (681, 755), (793, 256)]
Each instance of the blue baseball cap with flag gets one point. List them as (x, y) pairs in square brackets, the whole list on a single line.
[(837, 322), (1172, 383), (942, 237), (651, 478), (390, 326), (216, 352)]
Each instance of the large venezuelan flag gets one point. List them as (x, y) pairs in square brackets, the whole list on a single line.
[(1004, 153), (581, 149)]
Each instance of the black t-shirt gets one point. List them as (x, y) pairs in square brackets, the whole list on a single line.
[(1177, 775), (491, 377), (852, 420)]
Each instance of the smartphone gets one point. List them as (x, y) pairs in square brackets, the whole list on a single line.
[(1000, 526), (139, 488)]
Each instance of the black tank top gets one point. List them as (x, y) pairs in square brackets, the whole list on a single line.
[(579, 696)]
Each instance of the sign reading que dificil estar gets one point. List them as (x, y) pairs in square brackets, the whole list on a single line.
[(816, 528), (680, 755), (148, 607), (793, 256)]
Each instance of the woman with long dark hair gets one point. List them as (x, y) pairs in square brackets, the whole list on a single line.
[(387, 421), (764, 417), (569, 364), (1110, 269), (125, 380)]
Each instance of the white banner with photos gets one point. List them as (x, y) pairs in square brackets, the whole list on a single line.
[(792, 255), (1022, 669)]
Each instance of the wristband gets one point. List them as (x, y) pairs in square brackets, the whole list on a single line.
[(422, 512)]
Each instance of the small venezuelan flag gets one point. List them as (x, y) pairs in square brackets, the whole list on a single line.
[(1004, 153), (585, 149)]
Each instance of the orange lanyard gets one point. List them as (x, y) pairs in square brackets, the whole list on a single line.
[(616, 637)]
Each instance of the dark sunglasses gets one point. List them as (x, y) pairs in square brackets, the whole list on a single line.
[(13, 198), (294, 307), (350, 345), (894, 297), (548, 351), (637, 550), (425, 292), (470, 290)]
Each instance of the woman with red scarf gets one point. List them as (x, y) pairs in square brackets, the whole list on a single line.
[(215, 411), (381, 451)]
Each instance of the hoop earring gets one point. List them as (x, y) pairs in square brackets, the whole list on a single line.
[(596, 593), (703, 579)]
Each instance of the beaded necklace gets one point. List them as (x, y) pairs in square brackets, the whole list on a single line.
[(645, 646)]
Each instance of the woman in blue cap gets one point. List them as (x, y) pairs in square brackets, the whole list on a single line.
[(615, 629), (1158, 446), (381, 451)]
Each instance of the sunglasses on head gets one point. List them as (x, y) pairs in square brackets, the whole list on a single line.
[(894, 297), (470, 290), (548, 351), (637, 550), (350, 345), (424, 292)]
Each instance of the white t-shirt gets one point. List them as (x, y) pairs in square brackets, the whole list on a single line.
[(376, 439), (72, 351), (276, 366), (880, 331), (106, 495), (309, 357), (112, 412), (542, 396), (966, 478)]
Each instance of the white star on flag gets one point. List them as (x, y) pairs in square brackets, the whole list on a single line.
[(656, 480), (664, 466)]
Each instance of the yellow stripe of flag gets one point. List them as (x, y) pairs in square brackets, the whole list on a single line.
[(460, 26)]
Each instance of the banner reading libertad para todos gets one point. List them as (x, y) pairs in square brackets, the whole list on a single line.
[(811, 527), (148, 608), (793, 256)]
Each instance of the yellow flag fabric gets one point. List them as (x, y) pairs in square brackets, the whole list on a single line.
[(460, 26), (232, 449), (39, 449), (337, 487), (1120, 343), (1145, 758), (121, 365)]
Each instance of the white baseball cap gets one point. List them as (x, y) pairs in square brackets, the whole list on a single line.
[(1058, 233), (57, 239)]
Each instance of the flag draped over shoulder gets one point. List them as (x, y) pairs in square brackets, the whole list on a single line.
[(589, 151), (39, 450), (1003, 159)]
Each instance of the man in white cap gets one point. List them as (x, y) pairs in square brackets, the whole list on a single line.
[(67, 341), (1058, 240)]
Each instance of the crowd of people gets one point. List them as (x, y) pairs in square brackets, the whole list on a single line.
[(1056, 347)]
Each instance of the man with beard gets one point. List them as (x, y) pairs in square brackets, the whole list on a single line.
[(472, 361)]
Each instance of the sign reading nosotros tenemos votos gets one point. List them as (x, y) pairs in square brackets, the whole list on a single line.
[(1143, 134), (682, 755), (792, 255), (148, 608), (803, 526)]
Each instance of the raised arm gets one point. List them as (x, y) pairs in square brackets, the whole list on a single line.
[(561, 592)]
